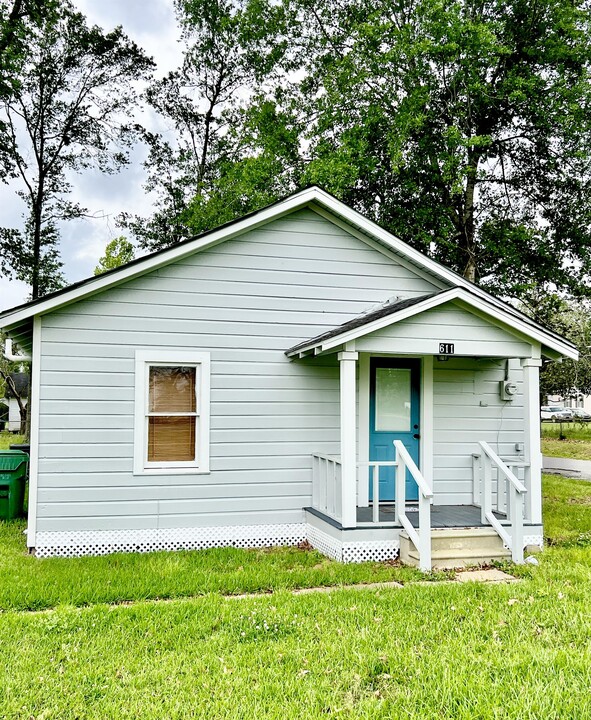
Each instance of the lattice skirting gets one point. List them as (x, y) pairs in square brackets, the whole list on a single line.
[(104, 542), (533, 540), (351, 552)]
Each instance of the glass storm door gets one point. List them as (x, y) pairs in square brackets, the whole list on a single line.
[(394, 415)]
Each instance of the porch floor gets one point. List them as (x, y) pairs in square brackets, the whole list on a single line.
[(442, 516)]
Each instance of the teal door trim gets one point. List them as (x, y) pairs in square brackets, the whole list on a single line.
[(381, 442)]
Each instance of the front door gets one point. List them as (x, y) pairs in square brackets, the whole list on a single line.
[(394, 415)]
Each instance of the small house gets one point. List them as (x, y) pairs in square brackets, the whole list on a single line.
[(14, 421), (297, 374)]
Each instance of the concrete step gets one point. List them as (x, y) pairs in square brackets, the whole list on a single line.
[(451, 548)]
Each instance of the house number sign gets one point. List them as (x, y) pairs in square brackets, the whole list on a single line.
[(446, 348)]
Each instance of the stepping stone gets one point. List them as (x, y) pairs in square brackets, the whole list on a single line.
[(491, 575)]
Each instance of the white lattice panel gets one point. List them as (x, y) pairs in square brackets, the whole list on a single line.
[(533, 540), (370, 550), (104, 542), (324, 543), (353, 552)]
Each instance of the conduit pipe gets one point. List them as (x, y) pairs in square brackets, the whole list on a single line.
[(9, 355)]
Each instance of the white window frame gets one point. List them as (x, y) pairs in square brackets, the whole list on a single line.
[(144, 359)]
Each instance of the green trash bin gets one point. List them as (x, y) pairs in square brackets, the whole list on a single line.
[(13, 477)]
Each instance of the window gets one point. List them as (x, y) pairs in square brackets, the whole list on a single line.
[(171, 412)]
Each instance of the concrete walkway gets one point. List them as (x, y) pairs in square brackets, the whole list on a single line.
[(579, 469)]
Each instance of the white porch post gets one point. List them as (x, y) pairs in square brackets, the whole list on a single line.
[(533, 452), (348, 366)]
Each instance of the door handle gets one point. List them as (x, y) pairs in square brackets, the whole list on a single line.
[(416, 436)]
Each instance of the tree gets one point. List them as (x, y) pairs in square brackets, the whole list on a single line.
[(13, 36), (464, 128), (68, 112), (118, 252), (226, 157), (568, 378)]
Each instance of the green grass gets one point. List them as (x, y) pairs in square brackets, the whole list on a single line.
[(28, 583), (427, 651), (571, 440)]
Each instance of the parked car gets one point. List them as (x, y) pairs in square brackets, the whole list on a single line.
[(580, 415), (554, 413)]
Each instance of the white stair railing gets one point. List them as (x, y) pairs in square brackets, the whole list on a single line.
[(483, 468), (422, 538)]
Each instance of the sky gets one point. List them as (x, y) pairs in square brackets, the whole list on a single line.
[(152, 24)]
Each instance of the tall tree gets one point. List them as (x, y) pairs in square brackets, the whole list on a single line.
[(462, 127), (69, 111), (117, 253), (228, 153)]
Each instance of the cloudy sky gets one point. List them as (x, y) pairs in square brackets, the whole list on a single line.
[(151, 23)]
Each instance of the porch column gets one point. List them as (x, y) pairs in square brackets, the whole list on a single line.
[(348, 366), (533, 451)]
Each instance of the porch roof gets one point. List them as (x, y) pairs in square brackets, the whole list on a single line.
[(552, 345)]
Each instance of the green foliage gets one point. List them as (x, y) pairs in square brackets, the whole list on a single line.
[(463, 128), (118, 252), (233, 150), (467, 124), (66, 113)]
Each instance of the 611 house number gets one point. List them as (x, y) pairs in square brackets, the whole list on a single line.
[(446, 348)]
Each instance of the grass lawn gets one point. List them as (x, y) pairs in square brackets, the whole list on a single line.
[(575, 443), (435, 650)]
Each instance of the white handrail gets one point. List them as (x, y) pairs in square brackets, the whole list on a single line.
[(422, 538), (517, 484), (514, 540)]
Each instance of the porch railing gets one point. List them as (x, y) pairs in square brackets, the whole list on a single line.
[(422, 538), (508, 498), (372, 482), (326, 484)]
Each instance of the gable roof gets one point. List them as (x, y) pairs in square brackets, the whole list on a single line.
[(19, 319), (394, 312)]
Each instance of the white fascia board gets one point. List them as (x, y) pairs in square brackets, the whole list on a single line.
[(457, 293), (524, 328), (291, 204)]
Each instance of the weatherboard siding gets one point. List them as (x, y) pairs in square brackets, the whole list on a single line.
[(467, 407), (245, 301)]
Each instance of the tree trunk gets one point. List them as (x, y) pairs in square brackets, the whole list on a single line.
[(37, 220), (467, 238)]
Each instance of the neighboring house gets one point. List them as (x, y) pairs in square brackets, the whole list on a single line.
[(246, 387), (21, 383)]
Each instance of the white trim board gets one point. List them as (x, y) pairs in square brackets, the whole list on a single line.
[(34, 437), (163, 356)]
